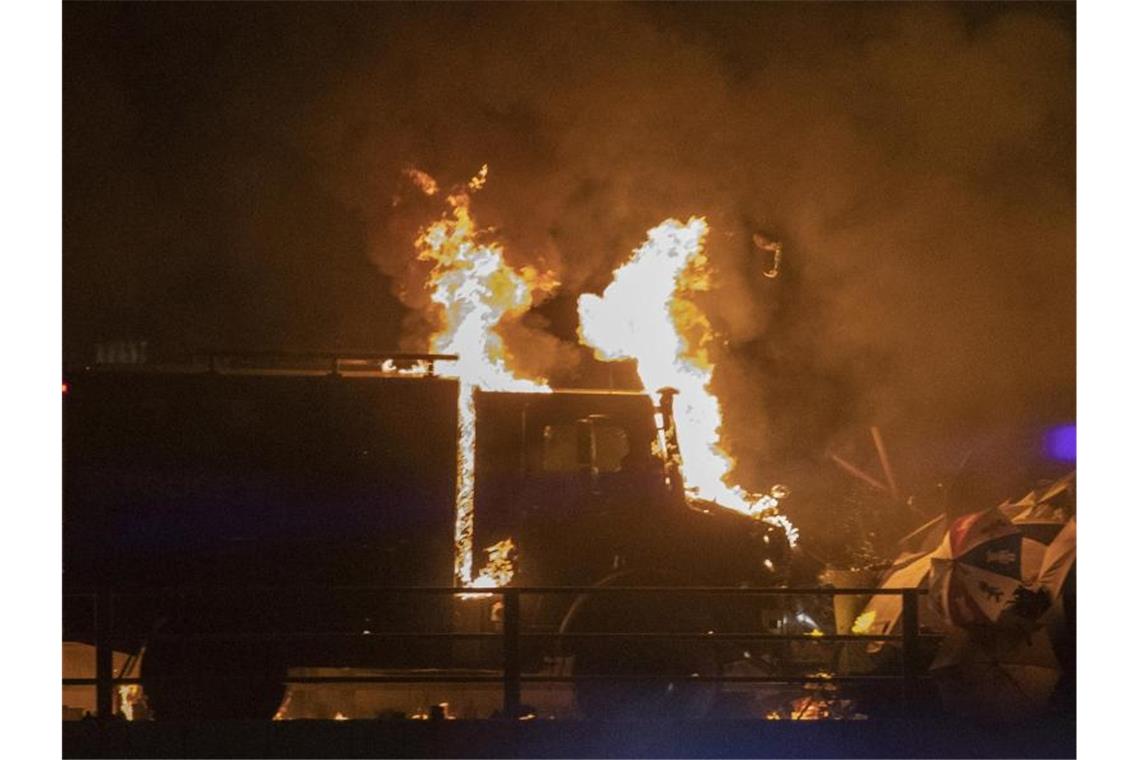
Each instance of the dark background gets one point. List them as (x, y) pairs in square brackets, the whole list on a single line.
[(233, 178)]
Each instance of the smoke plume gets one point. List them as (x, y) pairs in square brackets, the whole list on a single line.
[(239, 174)]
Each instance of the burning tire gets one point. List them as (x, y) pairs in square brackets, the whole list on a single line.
[(185, 679), (655, 673)]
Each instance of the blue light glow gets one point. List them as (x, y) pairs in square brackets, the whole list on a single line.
[(1061, 443)]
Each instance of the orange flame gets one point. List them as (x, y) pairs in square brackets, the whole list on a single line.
[(500, 567), (424, 181), (130, 696), (863, 623), (647, 313), (498, 571), (475, 290)]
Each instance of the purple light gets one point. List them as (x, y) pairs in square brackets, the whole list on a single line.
[(1061, 443)]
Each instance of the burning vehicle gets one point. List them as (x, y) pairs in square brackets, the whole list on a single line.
[(248, 478), (196, 491)]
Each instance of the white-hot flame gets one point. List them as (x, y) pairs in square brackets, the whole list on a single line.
[(647, 313), (500, 567), (475, 290), (497, 571), (129, 697)]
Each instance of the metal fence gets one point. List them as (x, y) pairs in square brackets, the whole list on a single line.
[(512, 635)]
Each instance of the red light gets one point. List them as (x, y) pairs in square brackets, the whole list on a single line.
[(65, 387)]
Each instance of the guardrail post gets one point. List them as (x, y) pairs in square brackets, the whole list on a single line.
[(910, 654), (104, 657), (512, 668)]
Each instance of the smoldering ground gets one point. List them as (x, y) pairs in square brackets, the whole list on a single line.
[(233, 177)]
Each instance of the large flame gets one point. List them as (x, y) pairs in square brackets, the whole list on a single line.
[(647, 313), (476, 290)]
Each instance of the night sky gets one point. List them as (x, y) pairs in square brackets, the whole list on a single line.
[(233, 178)]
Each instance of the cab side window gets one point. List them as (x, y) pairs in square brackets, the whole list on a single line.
[(589, 444), (611, 445)]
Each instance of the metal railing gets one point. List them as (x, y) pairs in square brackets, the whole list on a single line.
[(281, 362), (511, 636), (332, 362)]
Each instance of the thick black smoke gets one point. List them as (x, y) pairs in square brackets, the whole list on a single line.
[(234, 176)]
